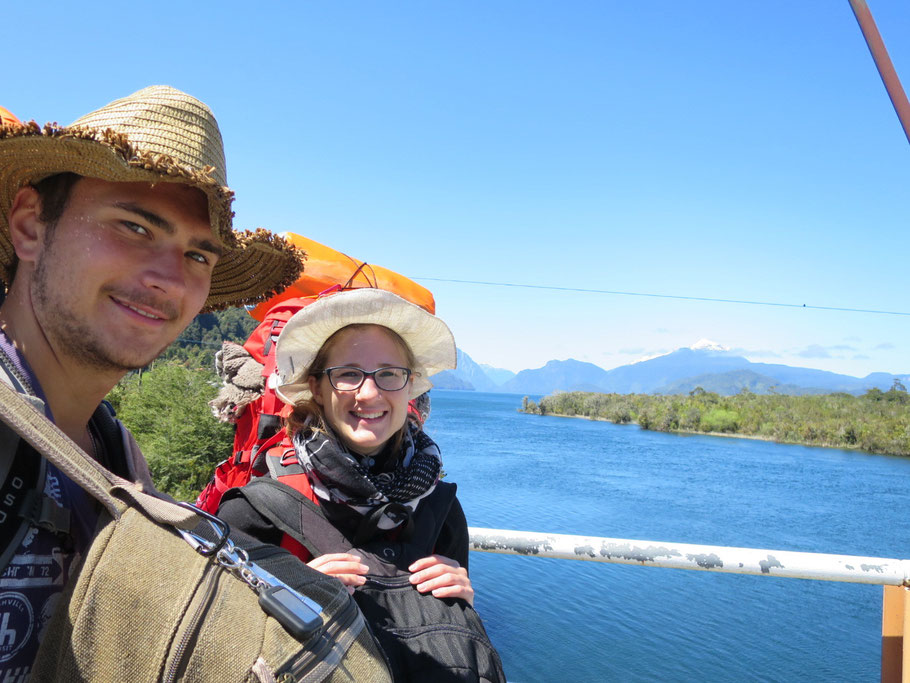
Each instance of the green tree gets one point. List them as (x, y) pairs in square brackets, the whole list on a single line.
[(720, 420), (874, 394), (897, 393), (166, 409)]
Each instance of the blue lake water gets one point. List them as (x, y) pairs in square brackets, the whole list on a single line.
[(556, 620)]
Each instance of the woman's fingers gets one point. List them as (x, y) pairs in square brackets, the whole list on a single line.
[(432, 560), (345, 567), (443, 577)]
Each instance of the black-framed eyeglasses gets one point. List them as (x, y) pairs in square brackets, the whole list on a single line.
[(349, 378)]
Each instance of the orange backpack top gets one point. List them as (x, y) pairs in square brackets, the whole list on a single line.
[(7, 118), (328, 270)]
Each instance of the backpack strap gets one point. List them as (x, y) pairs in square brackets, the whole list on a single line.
[(22, 498), (271, 404), (291, 512), (22, 477), (20, 492), (303, 520), (113, 455), (281, 460)]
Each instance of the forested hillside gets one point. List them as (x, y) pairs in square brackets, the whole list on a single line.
[(197, 345), (877, 422)]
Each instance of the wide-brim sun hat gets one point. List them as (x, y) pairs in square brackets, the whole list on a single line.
[(428, 337), (158, 134)]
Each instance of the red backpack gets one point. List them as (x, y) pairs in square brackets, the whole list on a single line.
[(260, 425)]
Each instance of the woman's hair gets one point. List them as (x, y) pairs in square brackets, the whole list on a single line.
[(309, 413)]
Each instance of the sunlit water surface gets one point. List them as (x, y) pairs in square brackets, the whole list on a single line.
[(559, 620)]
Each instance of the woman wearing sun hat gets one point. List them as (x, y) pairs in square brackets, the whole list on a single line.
[(348, 364)]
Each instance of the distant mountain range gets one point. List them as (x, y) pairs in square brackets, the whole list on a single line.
[(705, 365)]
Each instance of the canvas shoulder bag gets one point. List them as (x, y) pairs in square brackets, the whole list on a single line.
[(164, 594)]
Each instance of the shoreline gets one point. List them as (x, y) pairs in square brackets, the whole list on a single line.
[(729, 435)]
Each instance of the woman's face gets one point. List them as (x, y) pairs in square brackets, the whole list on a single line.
[(366, 418)]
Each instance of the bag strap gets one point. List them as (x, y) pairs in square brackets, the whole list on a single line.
[(104, 486), (303, 520), (291, 512), (113, 454)]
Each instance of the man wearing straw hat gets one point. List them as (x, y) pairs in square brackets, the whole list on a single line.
[(115, 232)]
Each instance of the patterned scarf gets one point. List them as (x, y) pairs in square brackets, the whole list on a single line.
[(347, 481)]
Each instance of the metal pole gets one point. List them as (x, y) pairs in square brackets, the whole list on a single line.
[(779, 563), (883, 63)]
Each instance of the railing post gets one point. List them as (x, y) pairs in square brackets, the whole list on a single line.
[(895, 623)]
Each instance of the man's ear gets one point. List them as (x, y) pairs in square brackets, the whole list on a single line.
[(315, 390), (25, 226)]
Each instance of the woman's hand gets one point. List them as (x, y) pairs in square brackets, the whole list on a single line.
[(444, 577), (345, 567)]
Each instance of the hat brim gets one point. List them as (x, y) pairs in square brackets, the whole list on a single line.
[(254, 266), (428, 337)]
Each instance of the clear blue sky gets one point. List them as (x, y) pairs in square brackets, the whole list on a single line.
[(730, 150)]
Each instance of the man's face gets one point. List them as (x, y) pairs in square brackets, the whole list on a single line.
[(123, 271)]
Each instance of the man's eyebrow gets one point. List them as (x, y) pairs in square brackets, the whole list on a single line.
[(209, 246), (168, 227), (149, 216)]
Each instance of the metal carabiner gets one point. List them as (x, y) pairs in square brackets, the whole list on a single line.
[(200, 544)]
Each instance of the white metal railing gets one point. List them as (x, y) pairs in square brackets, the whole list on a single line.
[(780, 563)]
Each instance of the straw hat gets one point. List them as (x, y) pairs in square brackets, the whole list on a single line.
[(157, 134), (429, 339)]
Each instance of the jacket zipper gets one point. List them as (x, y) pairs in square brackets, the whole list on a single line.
[(191, 630), (387, 581)]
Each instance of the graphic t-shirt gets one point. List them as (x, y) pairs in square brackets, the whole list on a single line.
[(30, 587), (33, 580)]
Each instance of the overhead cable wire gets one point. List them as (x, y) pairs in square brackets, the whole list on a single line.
[(665, 296)]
